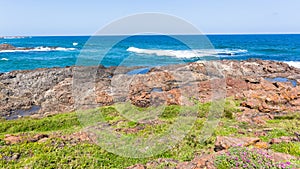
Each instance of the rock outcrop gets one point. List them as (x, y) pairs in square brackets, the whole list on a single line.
[(56, 90), (7, 47)]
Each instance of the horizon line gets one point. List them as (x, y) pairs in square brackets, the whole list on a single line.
[(259, 33)]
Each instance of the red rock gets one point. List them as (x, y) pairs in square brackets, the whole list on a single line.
[(284, 139), (11, 139), (223, 142), (251, 103), (275, 141), (38, 137), (261, 119), (205, 161), (267, 86), (104, 98), (282, 157), (53, 89), (137, 166), (295, 102)]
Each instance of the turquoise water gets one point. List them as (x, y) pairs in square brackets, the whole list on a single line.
[(146, 50)]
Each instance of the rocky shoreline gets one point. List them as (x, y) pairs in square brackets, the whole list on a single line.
[(264, 121), (267, 88)]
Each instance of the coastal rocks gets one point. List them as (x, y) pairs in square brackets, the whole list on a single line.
[(265, 99), (7, 47), (57, 90), (14, 139), (11, 139), (284, 139), (21, 90), (59, 98), (224, 143), (204, 161), (78, 137), (74, 138)]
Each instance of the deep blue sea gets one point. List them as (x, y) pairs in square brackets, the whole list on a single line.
[(46, 52)]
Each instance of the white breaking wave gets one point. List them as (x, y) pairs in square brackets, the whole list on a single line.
[(293, 63), (15, 37), (4, 59), (187, 53), (75, 44), (38, 49)]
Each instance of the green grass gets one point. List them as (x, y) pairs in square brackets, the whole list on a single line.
[(292, 148), (281, 127), (68, 121), (56, 153)]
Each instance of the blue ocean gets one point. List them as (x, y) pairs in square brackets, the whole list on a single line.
[(144, 50)]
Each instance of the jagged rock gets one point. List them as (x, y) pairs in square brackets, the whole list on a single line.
[(49, 91)]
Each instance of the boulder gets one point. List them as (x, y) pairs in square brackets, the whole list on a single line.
[(224, 143)]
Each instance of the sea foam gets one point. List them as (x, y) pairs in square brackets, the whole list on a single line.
[(187, 53), (38, 49), (293, 63), (4, 59)]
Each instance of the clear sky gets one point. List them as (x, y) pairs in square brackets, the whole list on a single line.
[(85, 17)]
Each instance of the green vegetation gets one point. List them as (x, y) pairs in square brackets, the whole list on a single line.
[(60, 122), (288, 148), (239, 157), (56, 152)]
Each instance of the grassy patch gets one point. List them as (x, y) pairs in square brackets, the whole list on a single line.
[(281, 127), (287, 148), (56, 153), (66, 121)]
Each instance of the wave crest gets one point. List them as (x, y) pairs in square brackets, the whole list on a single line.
[(187, 53), (293, 63), (38, 49), (4, 59)]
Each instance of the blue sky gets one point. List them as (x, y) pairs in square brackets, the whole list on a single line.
[(74, 17)]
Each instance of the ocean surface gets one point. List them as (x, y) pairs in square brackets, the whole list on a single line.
[(46, 52)]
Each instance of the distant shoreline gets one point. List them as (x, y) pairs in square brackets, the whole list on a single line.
[(229, 34)]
